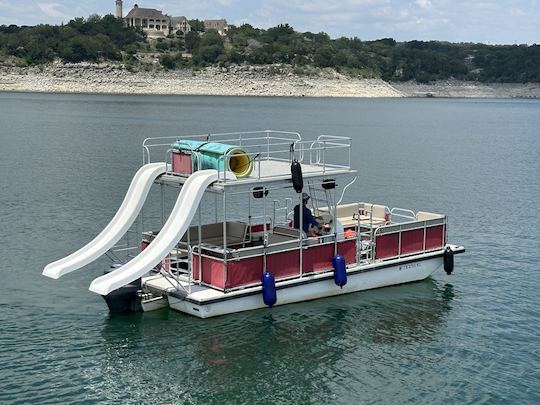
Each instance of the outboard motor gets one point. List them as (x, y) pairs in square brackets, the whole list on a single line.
[(126, 298)]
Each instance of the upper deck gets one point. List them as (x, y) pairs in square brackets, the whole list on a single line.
[(270, 152)]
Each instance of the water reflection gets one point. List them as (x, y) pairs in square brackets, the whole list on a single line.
[(302, 342)]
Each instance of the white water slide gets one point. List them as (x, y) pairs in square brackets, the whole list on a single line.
[(173, 230), (115, 230)]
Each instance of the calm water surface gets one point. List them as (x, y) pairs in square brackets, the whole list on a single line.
[(67, 160)]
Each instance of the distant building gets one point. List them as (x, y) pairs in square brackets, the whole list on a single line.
[(220, 26), (180, 24), (156, 24), (152, 21)]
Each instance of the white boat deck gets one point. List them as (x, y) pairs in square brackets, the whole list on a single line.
[(269, 171), (162, 284), (166, 284)]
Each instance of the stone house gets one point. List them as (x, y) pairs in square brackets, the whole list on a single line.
[(220, 26), (153, 22), (180, 24), (156, 24)]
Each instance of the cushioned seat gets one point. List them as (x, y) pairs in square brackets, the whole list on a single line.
[(213, 234), (373, 214), (346, 214), (426, 216), (370, 214)]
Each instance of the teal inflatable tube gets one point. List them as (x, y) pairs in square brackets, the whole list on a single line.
[(213, 155)]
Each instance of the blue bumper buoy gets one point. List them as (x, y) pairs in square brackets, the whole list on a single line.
[(340, 270), (269, 289)]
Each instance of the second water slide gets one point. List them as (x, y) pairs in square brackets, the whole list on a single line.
[(173, 230)]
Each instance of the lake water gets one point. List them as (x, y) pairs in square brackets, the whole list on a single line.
[(67, 160)]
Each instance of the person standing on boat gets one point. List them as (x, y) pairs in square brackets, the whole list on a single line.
[(308, 218)]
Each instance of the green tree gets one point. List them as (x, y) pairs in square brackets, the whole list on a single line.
[(167, 61), (192, 41), (196, 25), (323, 56), (162, 45), (210, 49)]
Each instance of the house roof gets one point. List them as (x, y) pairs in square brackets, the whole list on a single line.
[(220, 21), (176, 20), (139, 12)]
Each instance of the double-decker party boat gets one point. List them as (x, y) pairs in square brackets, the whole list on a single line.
[(240, 235)]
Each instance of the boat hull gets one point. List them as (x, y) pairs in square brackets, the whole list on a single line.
[(313, 287)]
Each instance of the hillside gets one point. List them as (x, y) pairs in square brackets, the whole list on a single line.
[(105, 39)]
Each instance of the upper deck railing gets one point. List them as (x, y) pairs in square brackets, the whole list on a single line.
[(325, 154), (156, 148)]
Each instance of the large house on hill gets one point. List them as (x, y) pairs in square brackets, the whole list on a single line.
[(156, 24), (152, 21)]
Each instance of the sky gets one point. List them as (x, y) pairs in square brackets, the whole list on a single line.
[(486, 21)]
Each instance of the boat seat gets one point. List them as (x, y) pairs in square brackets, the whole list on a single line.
[(293, 233), (373, 214), (274, 238), (426, 216), (212, 234), (370, 214), (286, 231), (345, 213)]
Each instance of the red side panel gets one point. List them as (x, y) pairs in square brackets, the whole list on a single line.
[(248, 271), (285, 264), (244, 272), (213, 271), (348, 250), (315, 258), (412, 241), (435, 237), (387, 246), (181, 162), (318, 258)]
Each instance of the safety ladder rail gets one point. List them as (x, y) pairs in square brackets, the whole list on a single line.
[(365, 243)]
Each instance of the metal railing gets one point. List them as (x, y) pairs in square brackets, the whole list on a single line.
[(413, 225), (326, 153), (264, 140), (402, 215), (224, 255)]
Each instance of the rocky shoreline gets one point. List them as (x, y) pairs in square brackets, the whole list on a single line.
[(236, 81), (460, 89)]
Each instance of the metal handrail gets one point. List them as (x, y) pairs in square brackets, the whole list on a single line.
[(345, 189), (399, 229), (403, 213), (268, 145)]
